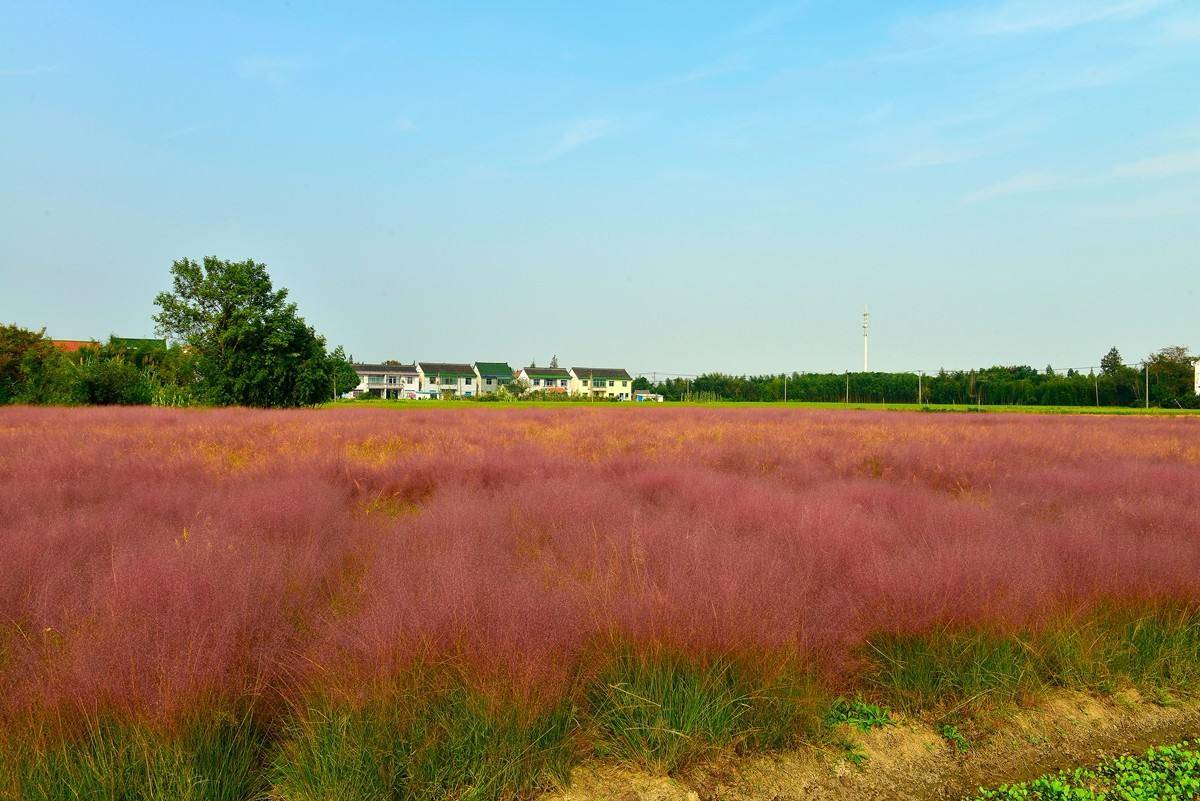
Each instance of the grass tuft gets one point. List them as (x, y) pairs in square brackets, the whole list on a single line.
[(662, 710)]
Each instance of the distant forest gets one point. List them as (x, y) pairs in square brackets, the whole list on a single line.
[(1170, 372)]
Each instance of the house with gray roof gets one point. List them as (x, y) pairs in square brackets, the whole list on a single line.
[(386, 380), (601, 382)]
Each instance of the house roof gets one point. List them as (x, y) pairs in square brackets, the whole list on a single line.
[(445, 368), (601, 372), (72, 345), (546, 372), (134, 342), (410, 369), (494, 369)]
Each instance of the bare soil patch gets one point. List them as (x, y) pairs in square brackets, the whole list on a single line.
[(911, 761)]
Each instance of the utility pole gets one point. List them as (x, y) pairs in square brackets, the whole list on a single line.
[(1147, 366), (847, 386), (866, 339), (785, 387), (919, 393)]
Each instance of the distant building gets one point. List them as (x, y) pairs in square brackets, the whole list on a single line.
[(490, 376), (74, 345), (447, 378), (545, 379), (601, 382), (393, 380), (139, 344), (646, 396)]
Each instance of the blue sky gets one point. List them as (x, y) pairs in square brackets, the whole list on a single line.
[(672, 187)]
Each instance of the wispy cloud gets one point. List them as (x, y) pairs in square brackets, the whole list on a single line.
[(770, 19), (403, 125), (274, 71), (18, 72), (1182, 163), (1020, 17), (1182, 30), (935, 156), (702, 73), (577, 135), (1179, 204), (1023, 183)]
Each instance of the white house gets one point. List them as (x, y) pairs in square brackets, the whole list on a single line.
[(646, 396), (545, 379), (490, 376), (601, 382), (387, 380), (447, 378)]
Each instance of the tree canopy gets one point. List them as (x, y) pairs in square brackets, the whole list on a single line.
[(252, 348)]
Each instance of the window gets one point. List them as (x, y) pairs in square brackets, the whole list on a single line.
[(489, 382), (612, 383), (624, 383), (562, 383), (408, 379), (468, 381), (537, 382), (433, 379)]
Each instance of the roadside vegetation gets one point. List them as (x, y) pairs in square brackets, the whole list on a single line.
[(359, 604), (1166, 773)]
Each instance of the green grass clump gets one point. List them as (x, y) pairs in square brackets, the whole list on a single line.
[(928, 672), (662, 710), (448, 744), (1148, 648), (429, 734), (1168, 773), (1153, 649), (216, 759)]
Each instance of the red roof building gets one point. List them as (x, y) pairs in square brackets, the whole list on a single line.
[(73, 345)]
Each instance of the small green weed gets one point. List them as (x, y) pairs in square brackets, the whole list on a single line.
[(853, 753), (956, 738), (859, 714), (1168, 773)]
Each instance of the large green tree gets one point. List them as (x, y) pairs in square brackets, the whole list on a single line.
[(32, 370), (251, 346), (1171, 376)]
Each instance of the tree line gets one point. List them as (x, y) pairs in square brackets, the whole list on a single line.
[(233, 339), (1169, 370)]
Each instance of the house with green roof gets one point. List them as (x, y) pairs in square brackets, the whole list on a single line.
[(490, 376), (544, 379), (447, 379)]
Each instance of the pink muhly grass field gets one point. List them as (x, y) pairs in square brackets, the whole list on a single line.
[(155, 560)]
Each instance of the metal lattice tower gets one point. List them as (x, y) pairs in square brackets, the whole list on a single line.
[(866, 340)]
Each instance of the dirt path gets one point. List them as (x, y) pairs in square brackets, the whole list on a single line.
[(910, 761)]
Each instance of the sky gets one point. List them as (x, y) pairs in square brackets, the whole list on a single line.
[(665, 187)]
